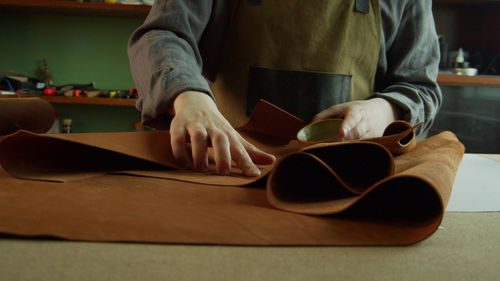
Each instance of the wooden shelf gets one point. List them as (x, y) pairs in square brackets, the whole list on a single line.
[(443, 79), (75, 100), (74, 8), (484, 80)]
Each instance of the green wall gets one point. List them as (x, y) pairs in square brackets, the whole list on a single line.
[(78, 49)]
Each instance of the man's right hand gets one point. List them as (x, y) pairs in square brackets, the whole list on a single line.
[(198, 121)]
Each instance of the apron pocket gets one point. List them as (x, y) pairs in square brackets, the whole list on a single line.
[(301, 93)]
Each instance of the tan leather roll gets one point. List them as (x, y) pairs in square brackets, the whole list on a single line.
[(31, 114)]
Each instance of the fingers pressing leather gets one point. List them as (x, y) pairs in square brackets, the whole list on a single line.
[(222, 154), (178, 143), (198, 135), (258, 156), (241, 157)]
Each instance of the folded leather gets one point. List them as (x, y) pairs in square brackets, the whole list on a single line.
[(313, 180), (331, 178), (66, 157), (399, 137), (363, 194)]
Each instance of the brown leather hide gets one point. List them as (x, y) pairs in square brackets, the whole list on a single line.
[(350, 193)]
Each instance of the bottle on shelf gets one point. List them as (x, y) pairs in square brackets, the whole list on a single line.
[(461, 66), (66, 129)]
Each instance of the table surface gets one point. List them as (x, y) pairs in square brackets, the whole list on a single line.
[(466, 247)]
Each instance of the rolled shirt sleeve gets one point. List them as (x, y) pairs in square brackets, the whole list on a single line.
[(409, 60), (165, 58)]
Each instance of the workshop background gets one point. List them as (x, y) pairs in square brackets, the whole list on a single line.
[(78, 49)]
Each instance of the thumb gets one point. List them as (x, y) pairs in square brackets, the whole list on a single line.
[(348, 128)]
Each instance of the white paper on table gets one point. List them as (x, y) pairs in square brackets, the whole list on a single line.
[(477, 186)]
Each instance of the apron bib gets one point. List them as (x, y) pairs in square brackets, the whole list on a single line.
[(303, 56)]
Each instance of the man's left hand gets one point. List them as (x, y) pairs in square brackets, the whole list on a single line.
[(362, 119)]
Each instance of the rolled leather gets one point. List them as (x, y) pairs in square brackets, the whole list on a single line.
[(31, 114)]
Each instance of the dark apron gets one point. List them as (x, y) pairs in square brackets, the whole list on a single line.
[(303, 56)]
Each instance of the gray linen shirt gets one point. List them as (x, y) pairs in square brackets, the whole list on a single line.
[(179, 45)]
